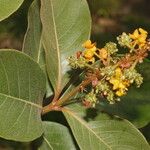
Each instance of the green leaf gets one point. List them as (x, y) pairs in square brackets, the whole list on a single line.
[(8, 7), (66, 25), (135, 105), (101, 132), (32, 44), (56, 137), (22, 87)]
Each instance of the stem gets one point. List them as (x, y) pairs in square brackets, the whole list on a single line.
[(72, 93), (134, 64), (89, 66), (97, 55), (56, 106), (50, 107), (56, 96)]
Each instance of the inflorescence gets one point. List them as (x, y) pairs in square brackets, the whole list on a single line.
[(110, 73)]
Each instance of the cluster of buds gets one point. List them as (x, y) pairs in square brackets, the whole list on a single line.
[(110, 73)]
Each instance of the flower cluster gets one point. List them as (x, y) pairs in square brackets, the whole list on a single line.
[(110, 73)]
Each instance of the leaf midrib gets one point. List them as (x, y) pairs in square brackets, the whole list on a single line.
[(84, 124), (39, 52), (21, 100), (58, 84), (47, 142)]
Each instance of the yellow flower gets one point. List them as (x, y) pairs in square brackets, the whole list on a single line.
[(120, 92), (139, 37), (88, 44), (134, 35), (142, 31), (119, 85), (118, 72), (115, 82), (89, 52)]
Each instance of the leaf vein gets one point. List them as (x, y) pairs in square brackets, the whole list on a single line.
[(58, 51), (6, 74), (21, 100), (48, 143), (84, 124)]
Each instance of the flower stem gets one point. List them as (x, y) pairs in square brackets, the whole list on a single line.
[(56, 106), (50, 107), (72, 93)]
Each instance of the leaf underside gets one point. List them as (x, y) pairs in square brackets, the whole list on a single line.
[(56, 137), (7, 7), (64, 31), (22, 87), (32, 44), (103, 132)]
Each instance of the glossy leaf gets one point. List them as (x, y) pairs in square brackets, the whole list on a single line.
[(101, 132), (22, 87), (66, 25), (8, 7), (56, 137), (135, 105), (32, 44)]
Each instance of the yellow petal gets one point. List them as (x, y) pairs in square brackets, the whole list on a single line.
[(126, 83), (93, 49), (118, 73), (88, 53), (121, 86), (131, 36), (88, 44), (115, 83), (142, 31), (134, 35), (120, 92), (142, 39)]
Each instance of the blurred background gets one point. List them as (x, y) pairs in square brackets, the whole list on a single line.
[(109, 19), (112, 17)]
